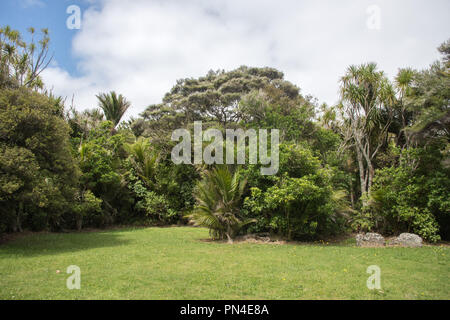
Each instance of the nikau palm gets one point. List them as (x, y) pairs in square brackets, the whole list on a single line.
[(218, 198), (144, 160), (114, 106)]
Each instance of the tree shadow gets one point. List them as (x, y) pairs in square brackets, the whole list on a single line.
[(41, 244)]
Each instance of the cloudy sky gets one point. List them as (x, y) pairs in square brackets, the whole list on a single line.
[(141, 47)]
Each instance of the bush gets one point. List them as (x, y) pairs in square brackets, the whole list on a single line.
[(300, 201), (403, 201), (218, 201), (86, 208)]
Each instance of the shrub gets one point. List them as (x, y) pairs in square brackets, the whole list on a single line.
[(218, 200)]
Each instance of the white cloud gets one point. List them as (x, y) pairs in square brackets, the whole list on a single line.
[(140, 48)]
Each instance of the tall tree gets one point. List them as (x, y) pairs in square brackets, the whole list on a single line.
[(367, 97), (214, 98), (403, 82), (38, 175), (84, 122), (21, 63), (114, 106), (428, 100)]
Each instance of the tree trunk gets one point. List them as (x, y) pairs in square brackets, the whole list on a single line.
[(371, 174), (230, 240), (14, 220), (362, 175), (352, 193), (18, 222), (79, 223), (289, 224)]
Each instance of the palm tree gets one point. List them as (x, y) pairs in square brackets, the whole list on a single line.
[(218, 198), (403, 82), (367, 100), (144, 160), (113, 106), (86, 120)]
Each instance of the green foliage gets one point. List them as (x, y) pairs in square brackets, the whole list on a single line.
[(299, 202), (274, 107), (144, 160), (367, 99), (155, 207), (101, 156), (218, 199), (162, 190), (37, 171), (386, 145), (86, 207), (83, 122), (114, 106), (21, 63), (404, 201), (98, 160), (427, 103), (212, 98)]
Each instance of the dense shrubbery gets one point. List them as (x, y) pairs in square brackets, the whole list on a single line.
[(378, 161), (300, 201), (411, 199), (38, 174)]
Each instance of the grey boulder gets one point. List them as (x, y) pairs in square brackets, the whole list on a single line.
[(408, 240), (370, 239)]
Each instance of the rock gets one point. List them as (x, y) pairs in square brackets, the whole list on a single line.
[(408, 240), (370, 239), (257, 237), (265, 239), (249, 236)]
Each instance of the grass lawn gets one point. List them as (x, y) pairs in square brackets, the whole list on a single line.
[(177, 263)]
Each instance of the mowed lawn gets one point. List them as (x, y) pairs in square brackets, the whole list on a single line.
[(178, 263)]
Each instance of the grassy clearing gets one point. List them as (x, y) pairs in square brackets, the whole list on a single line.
[(174, 263)]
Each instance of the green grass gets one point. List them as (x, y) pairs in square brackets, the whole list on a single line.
[(176, 263)]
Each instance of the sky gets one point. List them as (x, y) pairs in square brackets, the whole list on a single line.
[(140, 48)]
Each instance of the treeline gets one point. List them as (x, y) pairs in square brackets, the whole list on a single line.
[(377, 161)]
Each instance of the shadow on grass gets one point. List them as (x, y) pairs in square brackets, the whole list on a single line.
[(42, 244)]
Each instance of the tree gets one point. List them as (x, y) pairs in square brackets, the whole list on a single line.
[(100, 162), (212, 98), (422, 113), (444, 49), (38, 173), (162, 190), (83, 122), (22, 63), (404, 200), (367, 97), (143, 160), (428, 101), (300, 202), (114, 106), (272, 107), (403, 82), (218, 198), (18, 177), (411, 193), (86, 206)]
